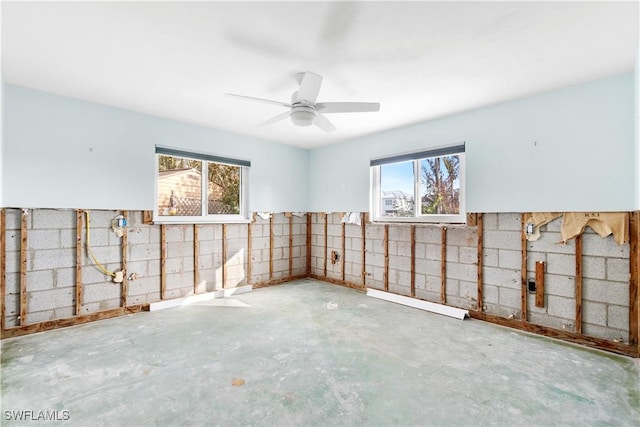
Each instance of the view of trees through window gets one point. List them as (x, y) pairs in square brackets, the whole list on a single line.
[(180, 190), (421, 187)]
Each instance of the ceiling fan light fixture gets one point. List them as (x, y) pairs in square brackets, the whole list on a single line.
[(303, 116)]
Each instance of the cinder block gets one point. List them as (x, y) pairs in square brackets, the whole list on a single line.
[(51, 259), (403, 248), (427, 266), (618, 269), (143, 252), (490, 257), (618, 317), (552, 321), (509, 259), (40, 316), (593, 267), (603, 332), (555, 284), (502, 277), (174, 233), (57, 219), (399, 263), (561, 306), (13, 219), (452, 288), (12, 241), (594, 245), (468, 255), (433, 284), (490, 221), (64, 278), (64, 312), (429, 234), (550, 242), (468, 272), (462, 236), (40, 280), (511, 298), (399, 233), (509, 221), (607, 292), (97, 292), (560, 264), (594, 313), (451, 254), (502, 240), (468, 290), (490, 294), (428, 296), (137, 235), (43, 239), (50, 299)]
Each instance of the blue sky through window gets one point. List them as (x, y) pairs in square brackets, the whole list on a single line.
[(397, 176)]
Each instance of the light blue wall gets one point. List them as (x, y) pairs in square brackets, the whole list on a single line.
[(66, 153), (583, 160), (637, 129)]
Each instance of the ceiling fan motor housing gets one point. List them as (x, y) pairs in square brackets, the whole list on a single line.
[(303, 115)]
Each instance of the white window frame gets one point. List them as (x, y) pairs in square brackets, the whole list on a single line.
[(205, 217), (376, 209)]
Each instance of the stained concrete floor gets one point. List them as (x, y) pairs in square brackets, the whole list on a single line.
[(307, 354)]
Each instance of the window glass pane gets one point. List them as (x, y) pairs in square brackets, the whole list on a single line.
[(440, 185), (223, 189), (179, 186), (396, 190)]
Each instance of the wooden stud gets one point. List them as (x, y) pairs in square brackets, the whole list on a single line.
[(23, 268), (480, 225), (79, 289), (163, 261), (523, 270), (413, 260), (196, 258), (308, 247), (546, 331), (578, 285), (472, 219), (634, 278), (363, 220), (3, 266), (539, 284), (386, 258), (326, 243), (147, 217), (249, 250), (71, 321), (224, 257), (124, 286), (271, 247), (290, 244), (443, 265), (343, 249)]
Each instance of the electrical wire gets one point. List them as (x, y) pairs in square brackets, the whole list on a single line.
[(90, 252)]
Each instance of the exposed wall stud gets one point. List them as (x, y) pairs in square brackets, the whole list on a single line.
[(480, 224), (249, 250), (3, 266), (539, 284), (125, 279), (224, 257), (443, 265), (413, 260), (163, 261), (634, 278), (79, 297), (196, 258), (326, 244), (290, 244), (343, 250), (363, 220), (386, 258), (578, 284), (308, 248), (523, 269), (23, 268)]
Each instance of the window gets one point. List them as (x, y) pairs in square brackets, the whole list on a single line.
[(195, 187), (426, 186)]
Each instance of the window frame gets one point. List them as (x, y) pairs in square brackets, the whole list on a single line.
[(204, 217), (376, 204)]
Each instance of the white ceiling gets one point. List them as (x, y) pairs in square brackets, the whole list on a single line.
[(420, 60)]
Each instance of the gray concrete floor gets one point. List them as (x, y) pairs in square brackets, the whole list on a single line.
[(308, 353)]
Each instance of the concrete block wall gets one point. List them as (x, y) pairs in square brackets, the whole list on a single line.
[(605, 301), (51, 260)]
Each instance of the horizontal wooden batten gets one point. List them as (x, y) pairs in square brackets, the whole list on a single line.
[(71, 321)]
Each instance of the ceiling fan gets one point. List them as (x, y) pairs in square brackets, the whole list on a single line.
[(305, 111)]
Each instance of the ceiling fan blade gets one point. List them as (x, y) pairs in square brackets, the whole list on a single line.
[(276, 118), (266, 101), (323, 123), (309, 87), (347, 107)]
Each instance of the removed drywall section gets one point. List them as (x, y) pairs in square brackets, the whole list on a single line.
[(107, 156), (48, 264), (442, 263), (540, 153)]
